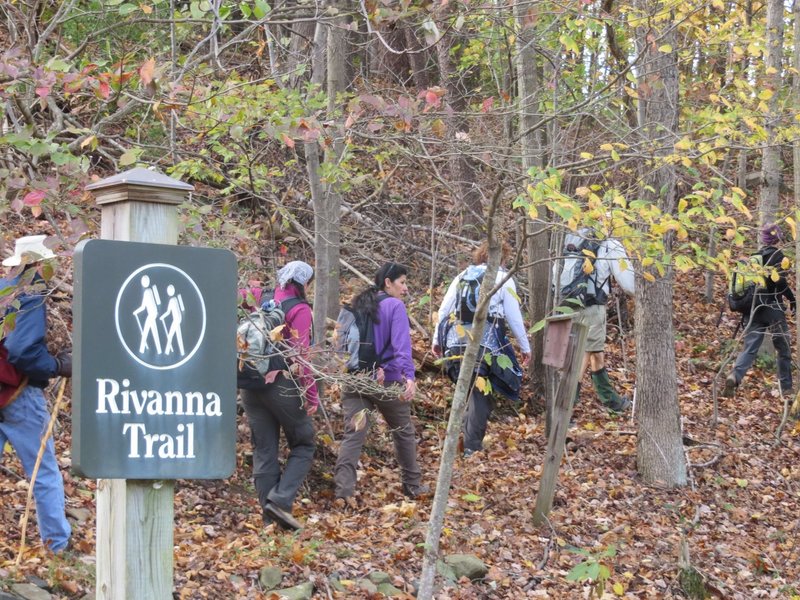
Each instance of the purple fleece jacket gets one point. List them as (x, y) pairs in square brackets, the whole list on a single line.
[(393, 325)]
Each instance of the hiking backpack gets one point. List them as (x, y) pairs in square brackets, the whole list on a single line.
[(354, 340), (259, 336), (469, 289), (578, 285), (745, 281)]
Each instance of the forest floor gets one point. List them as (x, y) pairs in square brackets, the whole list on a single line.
[(739, 515)]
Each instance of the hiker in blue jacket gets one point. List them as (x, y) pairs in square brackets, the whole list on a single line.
[(767, 317), (24, 421)]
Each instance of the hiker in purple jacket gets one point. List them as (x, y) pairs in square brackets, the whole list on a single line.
[(392, 334)]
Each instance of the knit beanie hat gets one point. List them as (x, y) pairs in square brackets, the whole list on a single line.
[(771, 234)]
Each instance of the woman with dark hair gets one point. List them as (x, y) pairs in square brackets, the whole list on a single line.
[(392, 336), (286, 403), (502, 371)]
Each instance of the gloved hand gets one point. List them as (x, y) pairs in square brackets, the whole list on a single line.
[(64, 363)]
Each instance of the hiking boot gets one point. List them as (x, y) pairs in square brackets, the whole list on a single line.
[(730, 386), (608, 396), (283, 517), (469, 452), (621, 405), (416, 492)]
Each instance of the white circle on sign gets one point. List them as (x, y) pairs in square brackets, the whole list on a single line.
[(157, 313)]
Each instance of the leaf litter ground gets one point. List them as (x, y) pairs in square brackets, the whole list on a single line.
[(740, 515)]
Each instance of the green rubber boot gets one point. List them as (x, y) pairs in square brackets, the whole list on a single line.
[(608, 396)]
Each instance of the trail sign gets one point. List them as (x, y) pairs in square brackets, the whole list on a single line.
[(155, 361)]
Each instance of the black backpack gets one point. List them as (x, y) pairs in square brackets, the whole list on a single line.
[(578, 285), (354, 340), (746, 281)]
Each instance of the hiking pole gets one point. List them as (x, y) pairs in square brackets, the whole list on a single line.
[(42, 446)]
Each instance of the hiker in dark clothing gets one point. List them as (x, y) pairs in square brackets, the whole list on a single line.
[(287, 404), (768, 316)]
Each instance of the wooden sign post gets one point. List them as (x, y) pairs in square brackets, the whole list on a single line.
[(568, 341), (135, 517)]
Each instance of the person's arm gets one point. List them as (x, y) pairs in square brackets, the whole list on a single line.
[(400, 339), (26, 345), (299, 321), (620, 265), (513, 316)]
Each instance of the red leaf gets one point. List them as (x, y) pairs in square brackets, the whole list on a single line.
[(43, 92), (34, 198), (104, 90), (287, 140), (487, 104)]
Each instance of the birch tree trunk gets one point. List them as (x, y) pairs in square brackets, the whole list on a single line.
[(457, 409), (660, 455), (771, 156)]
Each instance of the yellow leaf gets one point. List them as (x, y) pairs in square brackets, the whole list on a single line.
[(785, 263), (684, 144), (460, 331), (89, 140), (623, 265), (481, 384), (359, 420), (276, 335), (533, 213), (619, 589), (793, 226), (614, 156), (146, 9), (649, 277), (582, 191), (586, 155), (775, 276), (765, 94), (588, 267), (771, 70), (665, 48), (607, 147)]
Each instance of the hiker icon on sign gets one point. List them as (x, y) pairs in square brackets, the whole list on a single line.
[(160, 316), (150, 303), (175, 309)]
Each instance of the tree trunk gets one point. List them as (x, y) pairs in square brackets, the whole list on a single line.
[(796, 143), (771, 157), (532, 156), (660, 455), (457, 409), (462, 167)]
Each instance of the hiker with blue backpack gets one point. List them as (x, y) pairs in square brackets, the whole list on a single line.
[(281, 394), (392, 370), (767, 315), (584, 273), (497, 362)]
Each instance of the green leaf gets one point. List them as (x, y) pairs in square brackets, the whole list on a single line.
[(538, 326), (504, 362), (471, 498), (578, 572), (126, 9)]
